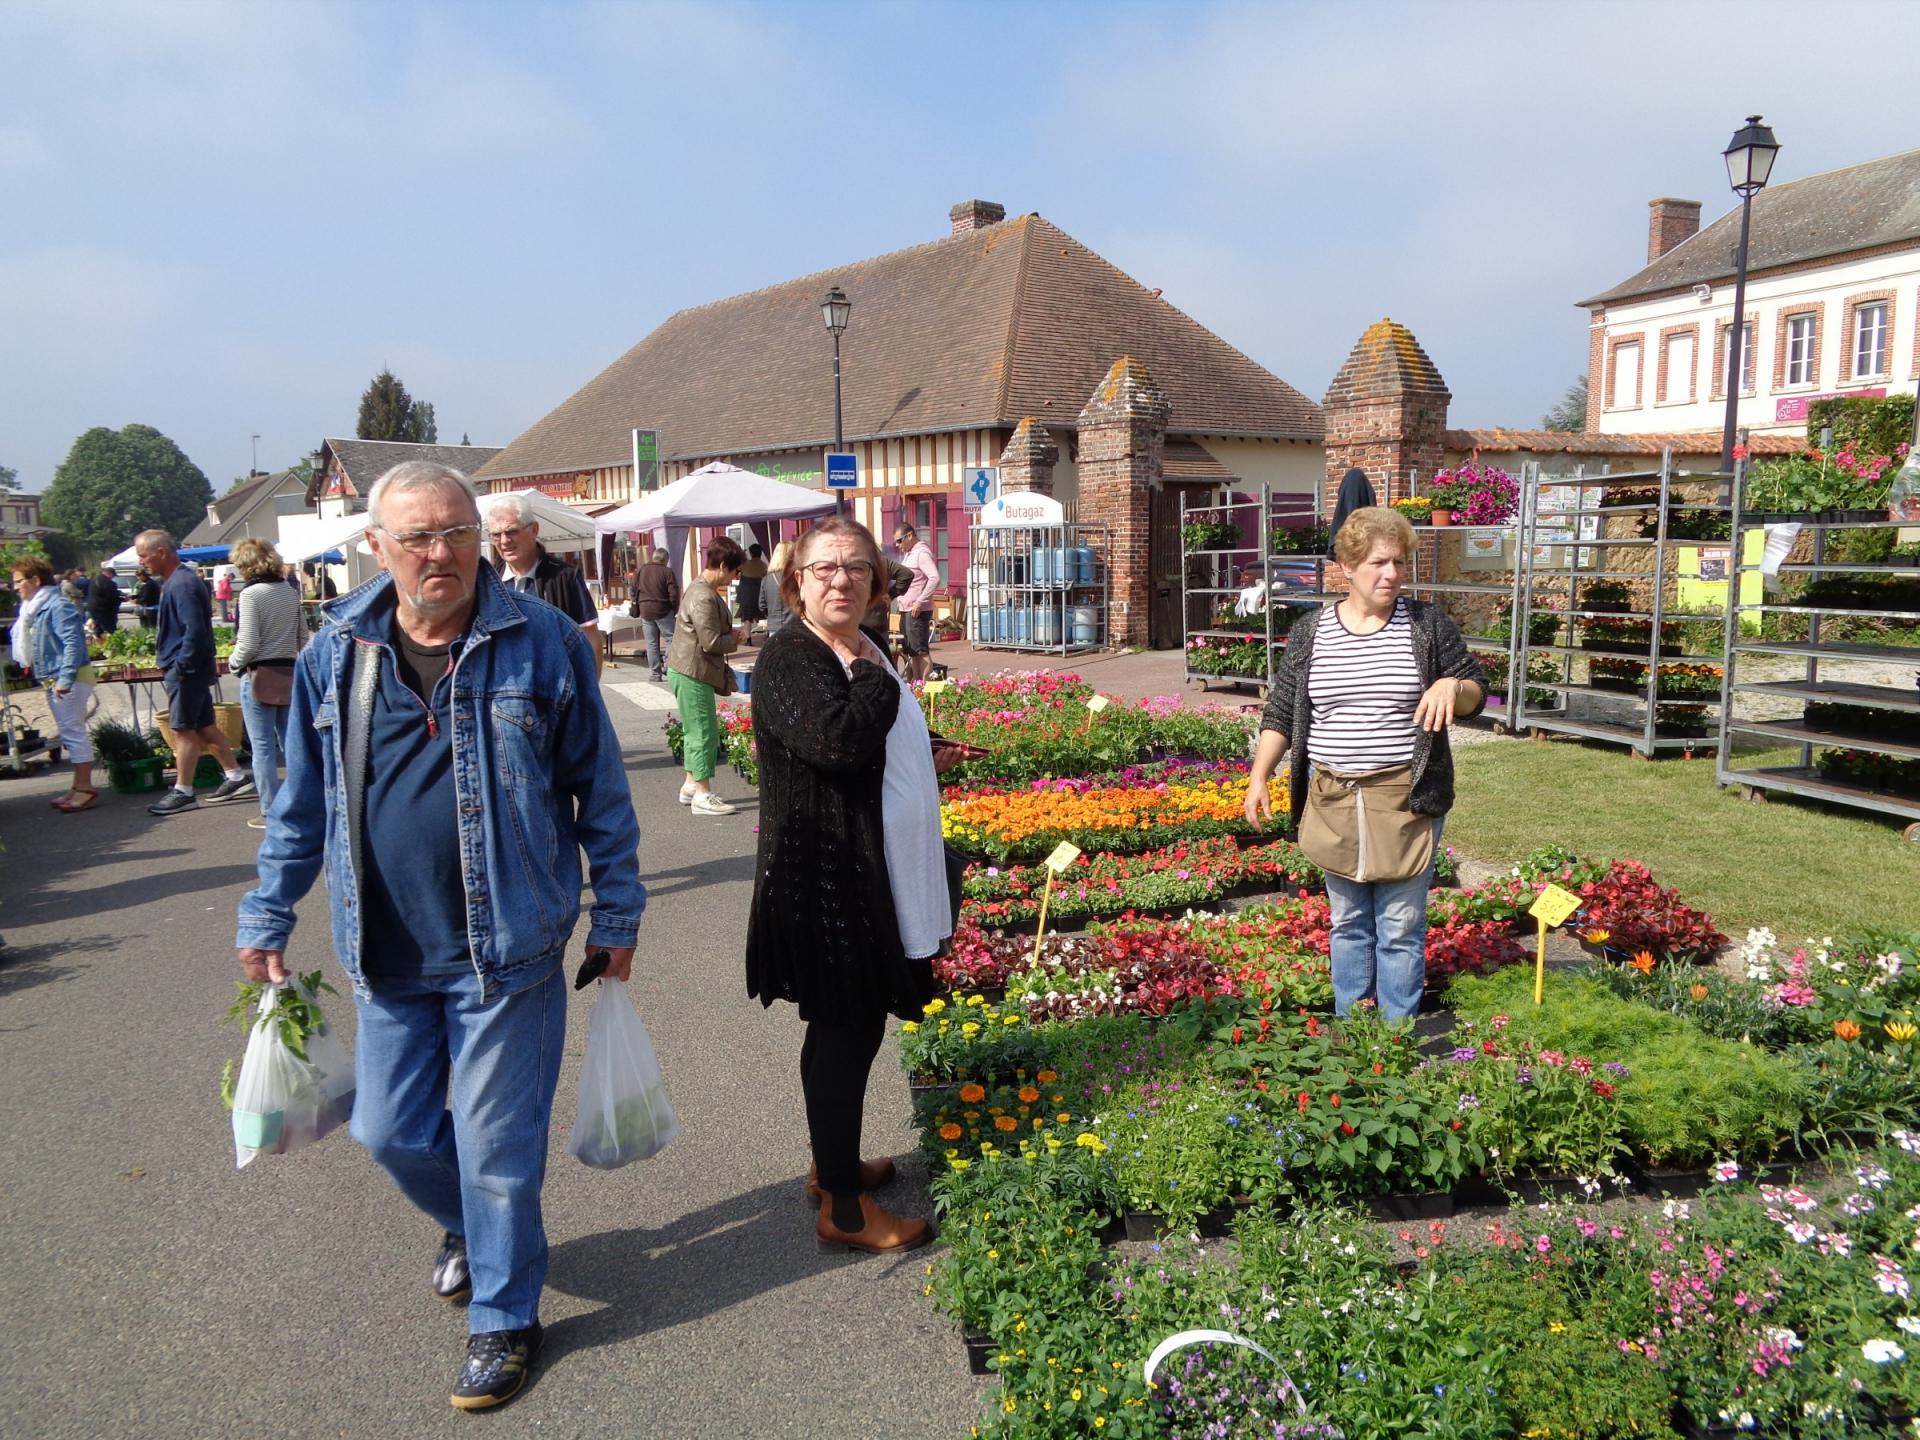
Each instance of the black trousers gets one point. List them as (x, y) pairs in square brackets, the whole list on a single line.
[(835, 1060)]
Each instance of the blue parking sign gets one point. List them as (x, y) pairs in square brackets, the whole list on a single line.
[(843, 470)]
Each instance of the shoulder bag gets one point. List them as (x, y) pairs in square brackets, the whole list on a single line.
[(1362, 827)]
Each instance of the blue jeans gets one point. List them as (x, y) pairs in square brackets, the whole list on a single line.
[(659, 635), (1379, 940), (266, 738), (476, 1169)]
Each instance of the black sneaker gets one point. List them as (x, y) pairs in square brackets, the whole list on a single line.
[(228, 791), (451, 1282), (497, 1366), (174, 802)]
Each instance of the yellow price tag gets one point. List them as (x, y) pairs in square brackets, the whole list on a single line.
[(1554, 905), (1098, 703), (1064, 854), (933, 687)]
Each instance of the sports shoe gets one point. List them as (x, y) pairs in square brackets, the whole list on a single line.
[(451, 1282), (228, 791), (687, 792), (497, 1366), (258, 822), (711, 804), (174, 802)]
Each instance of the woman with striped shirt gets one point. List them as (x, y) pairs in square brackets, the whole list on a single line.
[(1364, 694)]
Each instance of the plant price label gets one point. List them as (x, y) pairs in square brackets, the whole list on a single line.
[(1064, 854), (933, 687), (1098, 703), (1554, 905)]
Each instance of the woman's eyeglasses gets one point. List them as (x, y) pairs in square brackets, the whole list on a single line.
[(420, 542), (823, 571)]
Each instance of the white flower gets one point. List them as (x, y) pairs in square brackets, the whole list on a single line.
[(1909, 1323), (1726, 1172), (1882, 1352), (1801, 1231), (1872, 1176)]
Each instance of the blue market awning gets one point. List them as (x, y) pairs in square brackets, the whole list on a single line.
[(210, 554)]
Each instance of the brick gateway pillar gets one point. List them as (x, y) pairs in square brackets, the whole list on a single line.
[(1386, 412), (1026, 465), (1123, 435)]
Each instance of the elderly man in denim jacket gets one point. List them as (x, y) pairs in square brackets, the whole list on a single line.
[(448, 761)]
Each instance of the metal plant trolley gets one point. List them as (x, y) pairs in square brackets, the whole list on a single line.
[(1891, 739), (1210, 579), (1571, 581), (1040, 589)]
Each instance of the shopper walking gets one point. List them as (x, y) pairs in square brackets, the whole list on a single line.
[(656, 596), (1363, 698), (526, 566), (698, 672), (776, 605), (466, 765), (185, 652), (50, 639), (916, 606), (264, 648), (850, 897)]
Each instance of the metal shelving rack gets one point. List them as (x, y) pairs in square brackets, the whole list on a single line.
[(1644, 738), (1805, 779), (1436, 590), (1043, 589), (1218, 567)]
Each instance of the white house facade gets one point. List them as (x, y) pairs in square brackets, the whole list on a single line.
[(1832, 307)]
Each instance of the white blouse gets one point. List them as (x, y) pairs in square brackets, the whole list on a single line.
[(910, 795)]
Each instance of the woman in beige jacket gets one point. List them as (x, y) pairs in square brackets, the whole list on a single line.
[(697, 671)]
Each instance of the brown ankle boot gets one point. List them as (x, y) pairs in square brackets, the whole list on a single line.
[(883, 1231), (874, 1175)]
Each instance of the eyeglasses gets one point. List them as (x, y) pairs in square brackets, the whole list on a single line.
[(823, 571), (498, 536), (420, 542)]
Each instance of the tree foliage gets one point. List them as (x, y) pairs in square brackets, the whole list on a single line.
[(115, 483), (9, 479), (1569, 417), (388, 412)]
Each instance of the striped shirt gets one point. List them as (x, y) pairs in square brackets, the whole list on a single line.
[(1364, 689)]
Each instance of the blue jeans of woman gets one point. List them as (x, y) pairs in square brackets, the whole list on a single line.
[(1379, 940), (266, 738), (476, 1168)]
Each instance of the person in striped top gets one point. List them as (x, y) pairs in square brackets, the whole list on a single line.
[(1367, 685)]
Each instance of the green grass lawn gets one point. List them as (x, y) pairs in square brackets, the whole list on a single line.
[(1800, 868)]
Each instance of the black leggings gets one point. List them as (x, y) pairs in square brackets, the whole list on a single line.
[(835, 1060)]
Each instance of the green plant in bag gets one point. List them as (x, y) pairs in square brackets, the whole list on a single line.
[(296, 1012)]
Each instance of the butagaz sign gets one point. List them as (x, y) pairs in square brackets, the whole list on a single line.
[(1023, 508)]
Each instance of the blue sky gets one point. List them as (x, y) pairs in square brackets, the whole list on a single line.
[(223, 218)]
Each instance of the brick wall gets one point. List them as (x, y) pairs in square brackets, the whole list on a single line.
[(1122, 440), (1669, 222)]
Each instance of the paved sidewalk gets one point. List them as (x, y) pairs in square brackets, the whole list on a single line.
[(154, 1290)]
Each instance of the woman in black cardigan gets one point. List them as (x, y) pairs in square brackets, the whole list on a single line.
[(850, 892)]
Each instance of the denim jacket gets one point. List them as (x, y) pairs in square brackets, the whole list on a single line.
[(537, 769), (56, 640)]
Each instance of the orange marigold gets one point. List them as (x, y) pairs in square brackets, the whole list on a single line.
[(1028, 1094), (949, 1131), (973, 1094), (1046, 1077), (1005, 1122), (1846, 1029)]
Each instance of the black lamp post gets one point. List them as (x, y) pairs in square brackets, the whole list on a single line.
[(1749, 156), (834, 309)]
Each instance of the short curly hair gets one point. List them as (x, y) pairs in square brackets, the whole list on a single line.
[(1366, 527), (257, 560)]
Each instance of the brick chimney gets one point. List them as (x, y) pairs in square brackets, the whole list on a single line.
[(979, 214), (1670, 221)]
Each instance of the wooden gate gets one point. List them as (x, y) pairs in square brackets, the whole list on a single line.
[(1165, 626)]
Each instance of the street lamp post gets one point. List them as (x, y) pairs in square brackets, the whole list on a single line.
[(1749, 156), (834, 309)]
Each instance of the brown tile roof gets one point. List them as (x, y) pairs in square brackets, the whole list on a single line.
[(1859, 208), (972, 330), (1560, 442)]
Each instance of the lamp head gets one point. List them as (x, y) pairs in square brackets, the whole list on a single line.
[(834, 309), (1749, 156)]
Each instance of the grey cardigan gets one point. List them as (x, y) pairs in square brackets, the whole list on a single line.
[(1438, 649)]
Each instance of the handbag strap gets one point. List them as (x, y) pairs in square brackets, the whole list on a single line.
[(357, 741)]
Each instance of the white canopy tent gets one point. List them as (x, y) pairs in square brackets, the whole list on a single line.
[(712, 497)]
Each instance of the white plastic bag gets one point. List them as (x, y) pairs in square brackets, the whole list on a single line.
[(282, 1102), (625, 1114)]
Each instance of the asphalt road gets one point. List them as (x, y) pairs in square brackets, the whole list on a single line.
[(149, 1287)]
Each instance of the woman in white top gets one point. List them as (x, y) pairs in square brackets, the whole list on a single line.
[(850, 895)]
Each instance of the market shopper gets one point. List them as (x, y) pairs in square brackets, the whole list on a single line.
[(776, 606), (465, 763), (656, 596), (850, 895), (50, 639), (750, 592), (698, 673), (184, 648), (146, 597), (264, 648), (916, 606), (526, 566), (1363, 698), (103, 603)]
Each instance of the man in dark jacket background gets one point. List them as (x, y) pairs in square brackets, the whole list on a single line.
[(526, 566), (656, 600), (103, 603)]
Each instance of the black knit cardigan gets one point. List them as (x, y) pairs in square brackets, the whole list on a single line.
[(1438, 649), (822, 932)]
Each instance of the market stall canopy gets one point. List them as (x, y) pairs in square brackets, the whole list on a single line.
[(193, 554), (717, 495), (558, 520), (320, 540)]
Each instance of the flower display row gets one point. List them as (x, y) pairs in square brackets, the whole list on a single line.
[(1169, 880), (1028, 824)]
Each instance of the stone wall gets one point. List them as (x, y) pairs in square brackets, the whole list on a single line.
[(1122, 438)]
